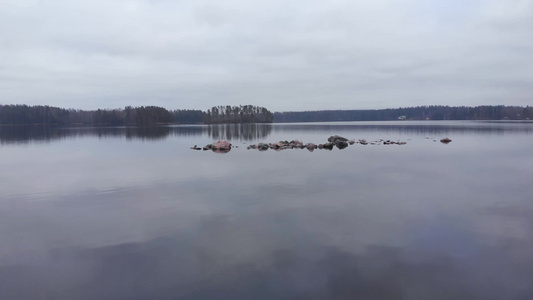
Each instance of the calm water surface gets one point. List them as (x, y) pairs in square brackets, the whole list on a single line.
[(133, 213)]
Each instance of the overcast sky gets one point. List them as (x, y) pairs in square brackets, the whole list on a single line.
[(283, 55)]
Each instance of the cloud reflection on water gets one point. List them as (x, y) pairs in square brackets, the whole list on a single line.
[(103, 217), (252, 258)]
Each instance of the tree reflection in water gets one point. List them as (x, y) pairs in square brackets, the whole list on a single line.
[(26, 134)]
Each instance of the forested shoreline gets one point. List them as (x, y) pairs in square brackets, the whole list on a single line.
[(436, 112), (154, 115), (130, 116)]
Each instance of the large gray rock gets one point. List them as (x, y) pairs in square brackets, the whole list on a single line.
[(328, 146), (334, 138), (277, 146), (341, 144), (296, 144), (262, 146), (311, 147)]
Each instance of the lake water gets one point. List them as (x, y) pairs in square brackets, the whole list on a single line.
[(134, 213)]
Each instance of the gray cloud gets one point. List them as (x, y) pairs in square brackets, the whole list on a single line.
[(297, 55)]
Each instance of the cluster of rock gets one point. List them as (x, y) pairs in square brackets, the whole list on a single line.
[(282, 145), (221, 146), (339, 142), (382, 142), (333, 141)]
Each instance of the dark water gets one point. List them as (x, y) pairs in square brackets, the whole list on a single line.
[(132, 213)]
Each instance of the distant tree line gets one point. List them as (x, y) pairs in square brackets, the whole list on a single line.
[(188, 116), (153, 115), (48, 115), (140, 116), (499, 112)]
